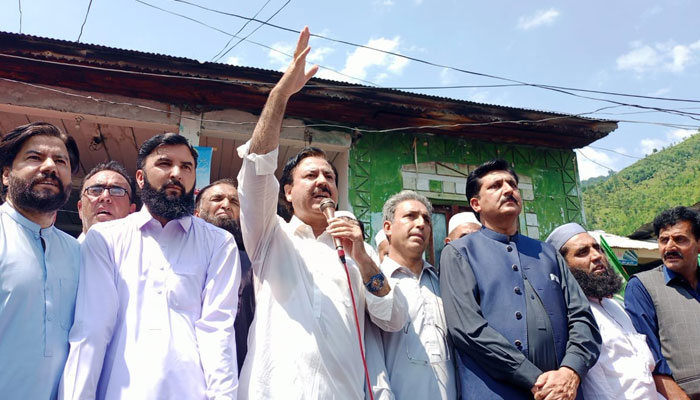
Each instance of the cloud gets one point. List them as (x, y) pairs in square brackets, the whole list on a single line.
[(678, 135), (539, 18), (673, 136), (660, 92), (362, 60), (647, 146), (279, 60), (318, 55), (446, 77), (233, 60), (667, 56), (592, 163)]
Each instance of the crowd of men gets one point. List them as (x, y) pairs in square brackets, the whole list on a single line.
[(218, 297)]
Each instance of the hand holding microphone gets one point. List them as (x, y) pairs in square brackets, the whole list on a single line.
[(328, 209)]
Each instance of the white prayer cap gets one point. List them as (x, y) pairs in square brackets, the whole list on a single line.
[(562, 234), (347, 214), (461, 218), (379, 237)]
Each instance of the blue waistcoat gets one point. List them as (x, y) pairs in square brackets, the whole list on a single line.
[(500, 263)]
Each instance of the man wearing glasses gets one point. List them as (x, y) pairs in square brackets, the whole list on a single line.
[(107, 194)]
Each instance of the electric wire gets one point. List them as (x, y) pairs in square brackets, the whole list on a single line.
[(240, 30), (20, 15), (561, 89), (254, 30), (248, 40), (84, 21)]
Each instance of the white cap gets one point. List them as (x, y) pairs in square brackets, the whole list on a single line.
[(347, 214), (379, 237), (461, 218)]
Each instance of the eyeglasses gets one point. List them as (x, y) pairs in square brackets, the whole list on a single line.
[(96, 191)]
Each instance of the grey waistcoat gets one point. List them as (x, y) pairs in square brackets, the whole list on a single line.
[(678, 315)]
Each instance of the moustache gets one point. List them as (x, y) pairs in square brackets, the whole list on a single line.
[(673, 253), (321, 189), (47, 177), (173, 182), (509, 197)]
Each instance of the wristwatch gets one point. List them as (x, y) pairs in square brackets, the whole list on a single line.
[(375, 283)]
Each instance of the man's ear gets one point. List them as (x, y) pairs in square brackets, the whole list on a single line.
[(6, 176), (387, 228), (196, 212), (474, 204), (288, 192), (80, 209), (139, 178), (132, 208)]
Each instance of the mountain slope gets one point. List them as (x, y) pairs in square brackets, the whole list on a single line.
[(622, 202)]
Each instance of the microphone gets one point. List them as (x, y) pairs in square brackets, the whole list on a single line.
[(328, 209)]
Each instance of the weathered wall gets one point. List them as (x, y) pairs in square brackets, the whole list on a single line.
[(383, 164)]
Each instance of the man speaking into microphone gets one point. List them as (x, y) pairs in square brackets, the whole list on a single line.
[(303, 343)]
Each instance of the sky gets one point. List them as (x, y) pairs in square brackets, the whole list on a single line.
[(635, 47)]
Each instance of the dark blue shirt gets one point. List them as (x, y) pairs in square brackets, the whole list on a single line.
[(640, 307)]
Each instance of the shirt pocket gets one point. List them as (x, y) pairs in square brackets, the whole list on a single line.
[(67, 292), (430, 346), (184, 288)]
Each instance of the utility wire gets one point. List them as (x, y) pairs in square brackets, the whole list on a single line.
[(240, 30), (249, 41), (20, 15), (84, 21), (561, 89), (254, 30), (551, 88)]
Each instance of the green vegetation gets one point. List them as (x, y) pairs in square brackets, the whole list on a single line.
[(622, 202)]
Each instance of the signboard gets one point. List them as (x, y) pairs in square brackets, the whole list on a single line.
[(203, 166)]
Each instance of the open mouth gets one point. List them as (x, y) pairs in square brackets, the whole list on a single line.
[(48, 182), (103, 212)]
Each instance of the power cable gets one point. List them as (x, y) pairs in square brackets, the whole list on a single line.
[(240, 30), (254, 30), (249, 41), (84, 21), (20, 15), (551, 88), (561, 89)]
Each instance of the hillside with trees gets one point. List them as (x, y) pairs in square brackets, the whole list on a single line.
[(623, 201)]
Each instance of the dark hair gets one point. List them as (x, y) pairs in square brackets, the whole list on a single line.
[(675, 215), (288, 171), (224, 181), (114, 166), (164, 139), (14, 140), (474, 178)]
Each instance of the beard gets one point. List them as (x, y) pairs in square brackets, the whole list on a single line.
[(23, 195), (228, 224), (167, 206), (600, 285)]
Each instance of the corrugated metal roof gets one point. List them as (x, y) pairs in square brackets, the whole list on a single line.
[(222, 67)]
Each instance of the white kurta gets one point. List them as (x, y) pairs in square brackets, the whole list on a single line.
[(154, 312), (624, 368), (303, 341)]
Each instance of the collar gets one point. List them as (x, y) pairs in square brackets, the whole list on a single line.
[(389, 266), (21, 219), (499, 237), (300, 228), (670, 275), (143, 217)]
